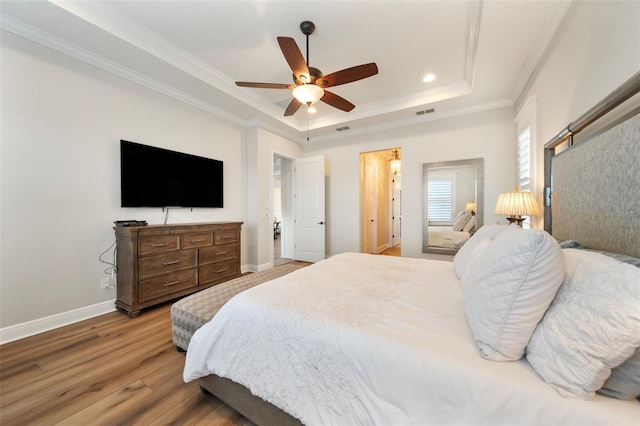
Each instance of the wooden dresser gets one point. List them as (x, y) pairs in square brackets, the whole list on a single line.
[(157, 263)]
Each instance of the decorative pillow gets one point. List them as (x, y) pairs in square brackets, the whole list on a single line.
[(592, 326), (461, 258), (569, 244), (470, 225), (458, 216), (624, 382), (507, 287), (461, 221)]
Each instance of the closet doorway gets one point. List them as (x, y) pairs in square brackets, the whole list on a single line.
[(282, 210), (380, 203)]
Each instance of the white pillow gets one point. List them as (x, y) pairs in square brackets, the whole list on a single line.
[(507, 287), (461, 221), (592, 326), (458, 215), (461, 258), (470, 225)]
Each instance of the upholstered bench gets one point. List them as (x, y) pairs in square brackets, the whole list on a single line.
[(194, 311)]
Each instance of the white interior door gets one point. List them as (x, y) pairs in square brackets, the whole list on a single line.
[(288, 215), (397, 210), (370, 205), (310, 214)]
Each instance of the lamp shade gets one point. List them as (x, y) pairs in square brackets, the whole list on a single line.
[(471, 206), (517, 204), (308, 93)]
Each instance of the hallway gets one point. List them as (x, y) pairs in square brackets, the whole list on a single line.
[(392, 251), (277, 260)]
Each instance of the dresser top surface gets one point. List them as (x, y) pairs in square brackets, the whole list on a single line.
[(174, 228)]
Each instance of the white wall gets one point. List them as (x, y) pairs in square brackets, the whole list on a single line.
[(261, 147), (61, 125), (595, 51), (489, 134)]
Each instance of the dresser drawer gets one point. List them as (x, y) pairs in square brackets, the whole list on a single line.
[(218, 271), (166, 284), (196, 240), (218, 253), (160, 244), (163, 263), (225, 236)]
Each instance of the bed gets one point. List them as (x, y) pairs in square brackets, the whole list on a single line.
[(518, 329), (446, 237)]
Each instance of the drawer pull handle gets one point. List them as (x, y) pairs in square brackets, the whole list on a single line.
[(221, 253), (221, 270), (170, 263), (171, 283), (159, 245), (197, 241)]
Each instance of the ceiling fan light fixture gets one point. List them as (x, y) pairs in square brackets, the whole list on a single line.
[(311, 109), (308, 93)]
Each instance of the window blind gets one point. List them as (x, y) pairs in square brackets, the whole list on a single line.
[(524, 165), (524, 160), (440, 198)]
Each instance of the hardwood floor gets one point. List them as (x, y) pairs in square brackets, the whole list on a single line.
[(392, 251), (110, 370)]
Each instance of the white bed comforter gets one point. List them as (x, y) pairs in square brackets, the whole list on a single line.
[(446, 237), (364, 339)]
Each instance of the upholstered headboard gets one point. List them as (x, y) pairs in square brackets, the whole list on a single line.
[(595, 195), (592, 189)]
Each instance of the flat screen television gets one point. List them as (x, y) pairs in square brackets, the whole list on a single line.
[(157, 177)]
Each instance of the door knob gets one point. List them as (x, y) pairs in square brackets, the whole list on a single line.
[(320, 223)]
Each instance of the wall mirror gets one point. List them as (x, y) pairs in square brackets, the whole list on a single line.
[(453, 196)]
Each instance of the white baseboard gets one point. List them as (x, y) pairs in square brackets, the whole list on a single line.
[(30, 328)]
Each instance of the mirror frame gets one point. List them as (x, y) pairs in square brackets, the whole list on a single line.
[(479, 165)]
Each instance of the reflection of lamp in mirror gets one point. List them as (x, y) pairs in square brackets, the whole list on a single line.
[(517, 204), (395, 163), (471, 207)]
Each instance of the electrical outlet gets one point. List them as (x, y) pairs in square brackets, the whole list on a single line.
[(105, 283)]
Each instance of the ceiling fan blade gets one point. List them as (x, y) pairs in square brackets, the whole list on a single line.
[(337, 101), (348, 75), (293, 107), (294, 57), (265, 85)]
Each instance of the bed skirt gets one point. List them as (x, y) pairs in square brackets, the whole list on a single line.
[(242, 400)]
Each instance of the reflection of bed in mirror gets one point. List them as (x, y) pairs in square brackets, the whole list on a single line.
[(446, 237), (453, 204)]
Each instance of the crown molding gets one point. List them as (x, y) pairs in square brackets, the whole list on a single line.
[(551, 25), (500, 103), (120, 26), (473, 34), (42, 37)]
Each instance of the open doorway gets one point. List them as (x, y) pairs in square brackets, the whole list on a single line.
[(282, 209), (380, 203)]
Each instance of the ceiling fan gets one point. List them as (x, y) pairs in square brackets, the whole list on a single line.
[(309, 82)]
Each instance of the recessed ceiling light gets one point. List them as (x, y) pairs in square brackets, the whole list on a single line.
[(428, 78)]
